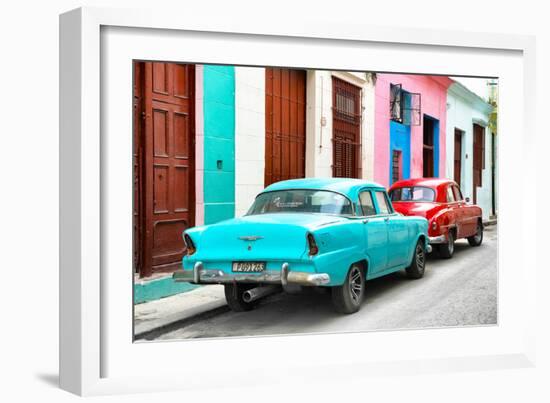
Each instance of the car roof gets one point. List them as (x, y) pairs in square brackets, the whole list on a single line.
[(345, 186), (428, 182)]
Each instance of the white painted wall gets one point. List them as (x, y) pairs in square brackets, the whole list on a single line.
[(319, 134), (250, 128), (319, 121), (249, 136), (462, 112)]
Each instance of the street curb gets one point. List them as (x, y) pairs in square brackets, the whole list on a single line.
[(150, 290), (185, 307), (187, 317)]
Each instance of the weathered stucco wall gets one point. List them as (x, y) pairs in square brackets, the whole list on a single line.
[(464, 109), (319, 121), (433, 92), (249, 136), (219, 142)]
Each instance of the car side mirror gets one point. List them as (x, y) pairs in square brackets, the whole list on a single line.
[(467, 200)]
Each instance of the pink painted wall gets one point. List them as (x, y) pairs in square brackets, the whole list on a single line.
[(433, 90)]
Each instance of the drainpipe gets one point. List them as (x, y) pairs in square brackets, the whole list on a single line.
[(493, 196)]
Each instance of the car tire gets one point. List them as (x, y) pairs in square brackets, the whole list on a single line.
[(234, 297), (476, 239), (347, 298), (446, 250), (418, 264)]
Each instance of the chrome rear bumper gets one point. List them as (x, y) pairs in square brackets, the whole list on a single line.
[(199, 275)]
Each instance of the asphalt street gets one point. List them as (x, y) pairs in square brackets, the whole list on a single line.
[(461, 291)]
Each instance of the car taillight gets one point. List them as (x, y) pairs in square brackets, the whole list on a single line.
[(190, 246), (313, 248)]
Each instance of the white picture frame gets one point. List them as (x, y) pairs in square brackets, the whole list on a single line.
[(97, 355)]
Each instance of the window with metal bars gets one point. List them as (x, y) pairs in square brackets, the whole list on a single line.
[(396, 166), (346, 129)]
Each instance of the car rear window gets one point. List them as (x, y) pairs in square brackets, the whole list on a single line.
[(301, 201)]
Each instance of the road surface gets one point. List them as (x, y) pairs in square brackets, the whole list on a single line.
[(461, 291)]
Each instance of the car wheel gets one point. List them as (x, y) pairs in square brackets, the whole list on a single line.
[(446, 250), (347, 298), (234, 297), (478, 237), (418, 264)]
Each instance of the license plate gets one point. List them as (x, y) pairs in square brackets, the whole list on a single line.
[(248, 267)]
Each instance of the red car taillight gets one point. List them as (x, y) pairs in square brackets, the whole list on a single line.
[(189, 245), (313, 248)]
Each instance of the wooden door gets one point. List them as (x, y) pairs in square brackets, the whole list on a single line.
[(428, 148), (167, 165), (458, 156), (285, 124), (137, 153), (346, 129), (479, 158)]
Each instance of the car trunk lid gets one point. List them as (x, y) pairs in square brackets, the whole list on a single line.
[(262, 237)]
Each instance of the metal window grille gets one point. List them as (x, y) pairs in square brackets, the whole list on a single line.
[(412, 109), (346, 126), (396, 166), (405, 107)]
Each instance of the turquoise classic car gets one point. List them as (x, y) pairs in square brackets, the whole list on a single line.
[(333, 232)]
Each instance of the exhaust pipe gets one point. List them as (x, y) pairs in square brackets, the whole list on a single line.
[(259, 292)]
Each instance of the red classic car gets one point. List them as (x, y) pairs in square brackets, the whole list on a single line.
[(440, 201)]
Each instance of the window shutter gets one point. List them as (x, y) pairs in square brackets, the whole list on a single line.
[(396, 98)]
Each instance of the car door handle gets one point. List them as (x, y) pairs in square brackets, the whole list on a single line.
[(386, 218), (366, 220)]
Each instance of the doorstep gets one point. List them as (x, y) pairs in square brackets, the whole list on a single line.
[(158, 286), (160, 313)]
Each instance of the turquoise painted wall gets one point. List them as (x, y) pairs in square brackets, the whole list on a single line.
[(159, 288), (219, 143), (400, 139)]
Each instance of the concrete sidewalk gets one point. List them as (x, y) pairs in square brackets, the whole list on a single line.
[(163, 312)]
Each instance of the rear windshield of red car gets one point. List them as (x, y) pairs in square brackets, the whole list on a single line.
[(413, 194)]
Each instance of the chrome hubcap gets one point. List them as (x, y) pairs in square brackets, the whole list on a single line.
[(478, 233), (356, 284), (451, 244), (420, 258)]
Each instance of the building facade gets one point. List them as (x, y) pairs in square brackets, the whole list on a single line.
[(471, 145), (209, 138), (410, 127)]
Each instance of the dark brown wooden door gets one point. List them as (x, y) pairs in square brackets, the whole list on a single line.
[(167, 164), (428, 148), (346, 129), (479, 158), (137, 153), (458, 156), (285, 124)]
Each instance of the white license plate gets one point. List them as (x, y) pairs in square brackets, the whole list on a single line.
[(248, 267)]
